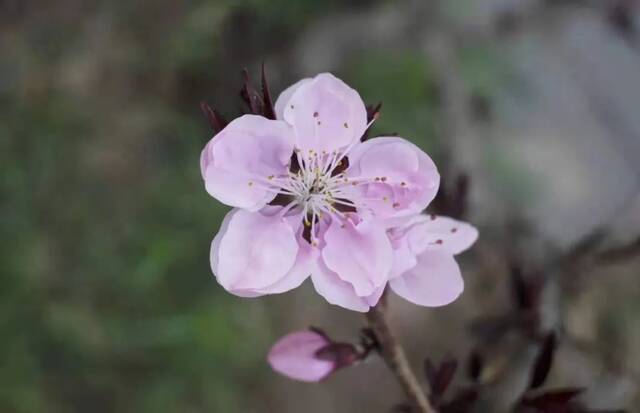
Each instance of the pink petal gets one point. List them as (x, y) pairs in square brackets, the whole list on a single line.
[(336, 291), (215, 244), (326, 114), (237, 162), (252, 251), (301, 270), (294, 356), (407, 181), (360, 254), (285, 96), (373, 299), (440, 233), (434, 281), (403, 258)]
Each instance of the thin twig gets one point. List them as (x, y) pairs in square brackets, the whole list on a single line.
[(396, 359), (624, 252)]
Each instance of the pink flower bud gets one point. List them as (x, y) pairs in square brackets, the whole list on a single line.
[(301, 356)]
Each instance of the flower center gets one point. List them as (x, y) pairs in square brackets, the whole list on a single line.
[(316, 186)]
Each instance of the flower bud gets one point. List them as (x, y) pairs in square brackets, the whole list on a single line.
[(310, 355)]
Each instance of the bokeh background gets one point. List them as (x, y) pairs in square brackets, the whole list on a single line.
[(107, 303)]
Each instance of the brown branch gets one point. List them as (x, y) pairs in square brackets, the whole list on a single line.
[(396, 359), (586, 253), (624, 252)]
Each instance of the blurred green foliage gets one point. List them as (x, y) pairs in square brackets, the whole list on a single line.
[(106, 296)]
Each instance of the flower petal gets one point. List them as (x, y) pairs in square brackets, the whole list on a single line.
[(403, 258), (336, 291), (360, 254), (440, 233), (294, 356), (373, 299), (406, 179), (326, 114), (301, 270), (285, 96), (252, 251), (236, 163), (435, 280), (215, 244)]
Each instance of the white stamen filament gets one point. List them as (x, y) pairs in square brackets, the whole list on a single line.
[(316, 188)]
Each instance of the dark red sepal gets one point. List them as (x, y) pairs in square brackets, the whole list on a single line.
[(216, 121)]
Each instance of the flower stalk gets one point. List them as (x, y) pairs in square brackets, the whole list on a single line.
[(396, 359)]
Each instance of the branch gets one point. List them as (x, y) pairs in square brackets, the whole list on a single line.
[(620, 253), (396, 359)]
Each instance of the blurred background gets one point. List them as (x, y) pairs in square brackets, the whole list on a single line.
[(107, 302)]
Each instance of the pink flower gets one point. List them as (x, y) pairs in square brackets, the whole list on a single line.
[(311, 200), (310, 356)]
